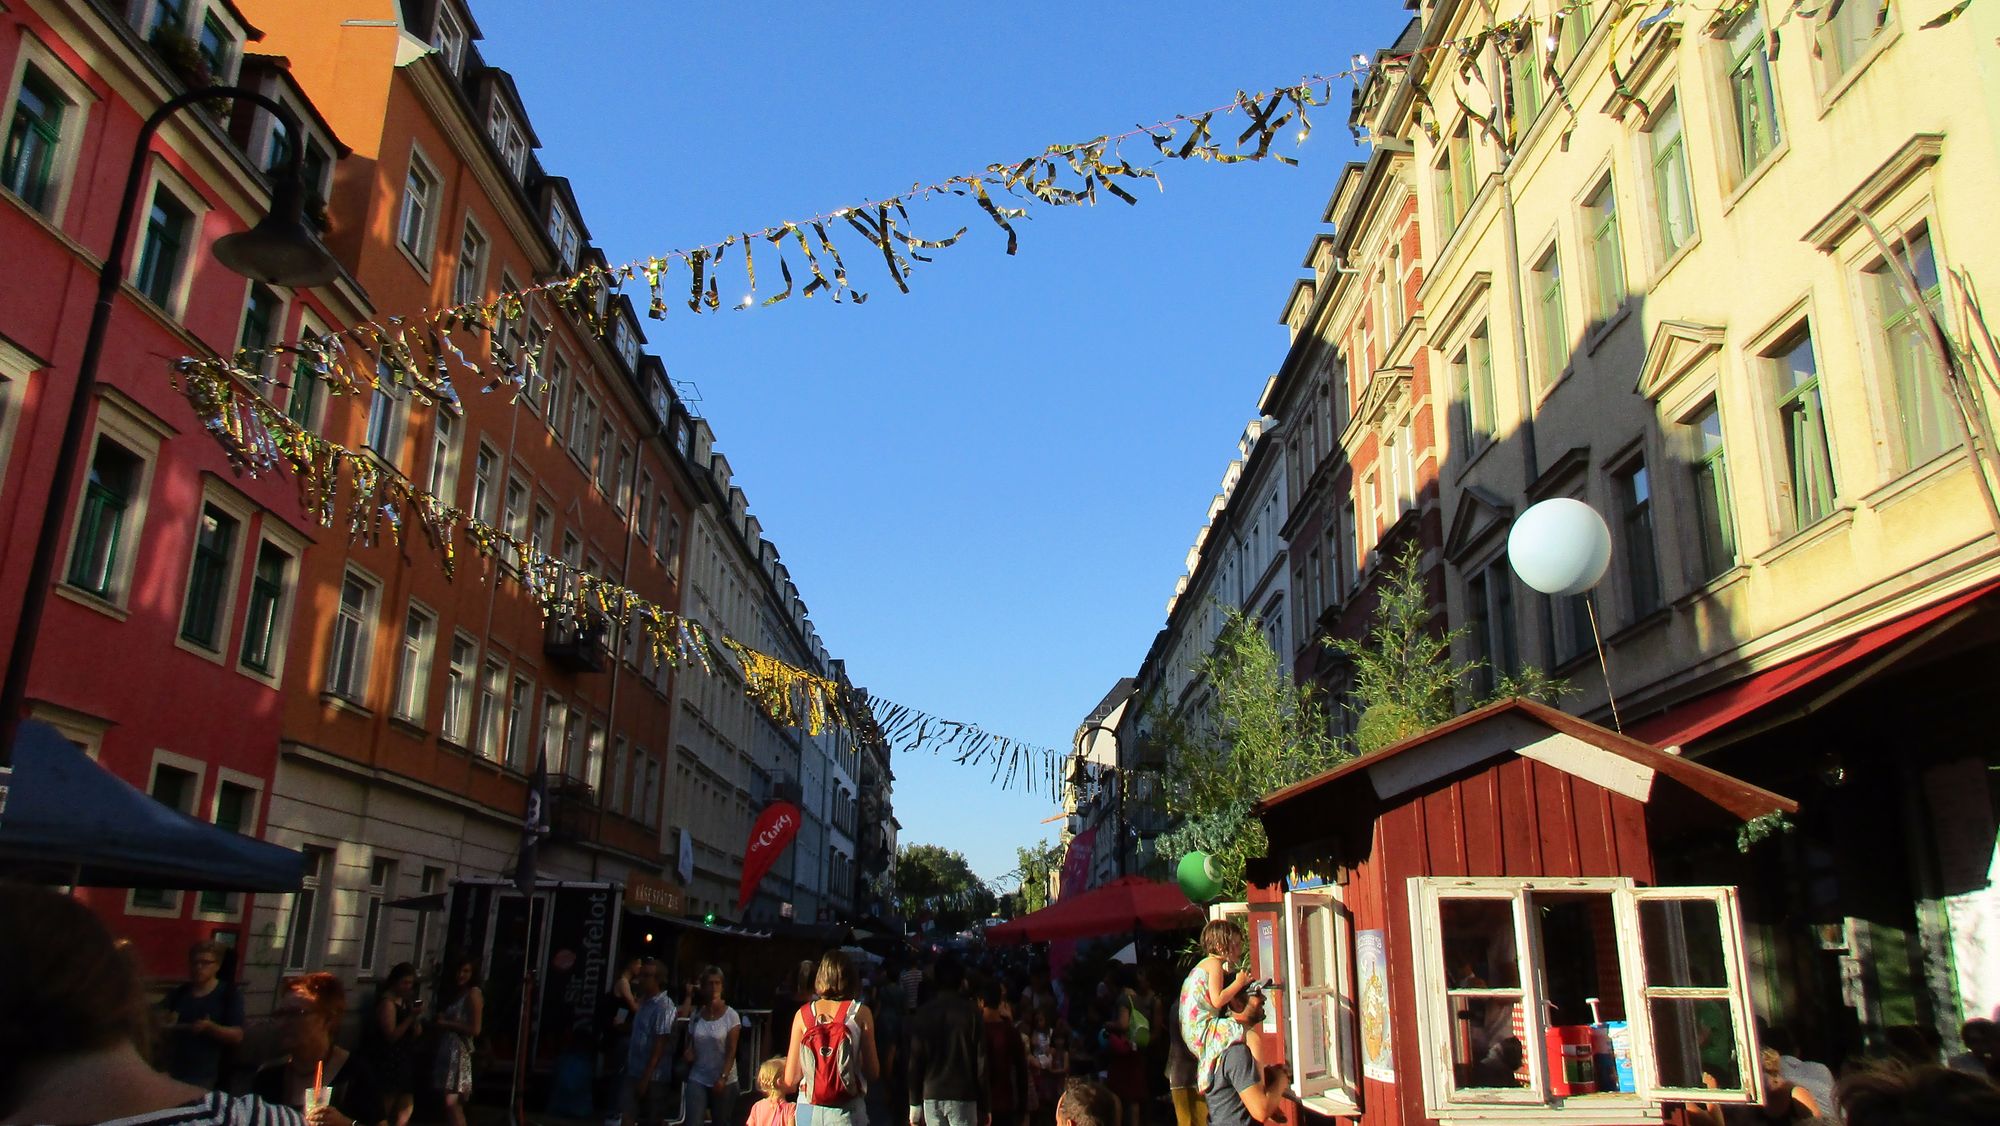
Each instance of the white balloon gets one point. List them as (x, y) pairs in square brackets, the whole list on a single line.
[(1560, 546)]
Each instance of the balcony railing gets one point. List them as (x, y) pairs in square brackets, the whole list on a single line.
[(578, 645)]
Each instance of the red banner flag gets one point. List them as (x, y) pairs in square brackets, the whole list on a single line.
[(775, 828)]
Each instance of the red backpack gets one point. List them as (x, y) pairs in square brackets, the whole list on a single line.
[(830, 1047)]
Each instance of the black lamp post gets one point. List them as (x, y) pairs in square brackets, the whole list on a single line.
[(279, 250)]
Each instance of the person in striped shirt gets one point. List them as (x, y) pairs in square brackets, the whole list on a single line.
[(76, 1017)]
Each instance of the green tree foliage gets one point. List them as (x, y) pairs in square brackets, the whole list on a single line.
[(936, 882), (1265, 733), (1405, 680), (1038, 863)]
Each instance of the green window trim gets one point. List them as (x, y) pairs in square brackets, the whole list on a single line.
[(1752, 92), (1802, 420), (260, 625), (1552, 324), (1715, 514), (1607, 254), (165, 245), (34, 138), (208, 578)]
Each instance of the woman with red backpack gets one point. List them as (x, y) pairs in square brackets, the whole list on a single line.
[(832, 1057)]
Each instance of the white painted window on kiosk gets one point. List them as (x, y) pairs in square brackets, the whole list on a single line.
[(1579, 996)]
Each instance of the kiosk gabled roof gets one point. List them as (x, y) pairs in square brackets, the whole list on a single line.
[(1647, 763)]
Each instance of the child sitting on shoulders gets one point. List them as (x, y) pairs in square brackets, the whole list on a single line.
[(1212, 1001), (775, 1108)]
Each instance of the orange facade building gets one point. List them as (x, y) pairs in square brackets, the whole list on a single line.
[(419, 705)]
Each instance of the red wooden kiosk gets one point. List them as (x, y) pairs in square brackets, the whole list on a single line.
[(1465, 927)]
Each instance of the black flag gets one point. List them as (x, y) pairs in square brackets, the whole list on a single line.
[(534, 825)]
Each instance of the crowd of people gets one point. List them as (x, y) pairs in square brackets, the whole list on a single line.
[(937, 1040)]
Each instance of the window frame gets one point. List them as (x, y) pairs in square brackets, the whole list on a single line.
[(1336, 1090), (418, 681), (231, 909), (1874, 283), (1550, 299), (370, 618), (421, 256), (139, 435), (172, 902), (1749, 66), (1631, 511), (305, 947), (1665, 248), (162, 178), (449, 38), (447, 454), (79, 99), (241, 509), (1770, 358), (375, 921), (1603, 237), (458, 711), (1715, 463), (1444, 1101), (469, 286)]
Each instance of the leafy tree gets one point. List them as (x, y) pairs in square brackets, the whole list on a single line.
[(1265, 733), (938, 882), (1405, 679), (1038, 862)]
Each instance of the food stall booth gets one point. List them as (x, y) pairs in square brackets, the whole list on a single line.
[(1464, 926)]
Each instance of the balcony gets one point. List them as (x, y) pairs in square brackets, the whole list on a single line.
[(578, 644), (573, 810)]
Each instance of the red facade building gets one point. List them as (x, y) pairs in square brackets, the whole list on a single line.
[(177, 577)]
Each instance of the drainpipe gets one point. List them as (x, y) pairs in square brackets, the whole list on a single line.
[(1516, 308)]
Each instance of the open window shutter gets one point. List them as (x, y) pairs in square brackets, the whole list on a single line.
[(1311, 991), (1692, 1014)]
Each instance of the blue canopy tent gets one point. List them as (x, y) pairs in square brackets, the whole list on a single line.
[(70, 821)]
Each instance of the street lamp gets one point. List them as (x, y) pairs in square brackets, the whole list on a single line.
[(278, 250)]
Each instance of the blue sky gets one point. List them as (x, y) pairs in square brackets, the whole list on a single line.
[(985, 489)]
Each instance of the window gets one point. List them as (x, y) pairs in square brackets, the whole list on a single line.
[(1752, 99), (485, 484), (204, 612), (514, 514), (583, 426), (431, 883), (443, 482), (492, 723), (1847, 31), (1635, 519), (176, 789), (164, 249), (556, 369), (458, 679), (216, 47), (353, 636), (448, 36), (1714, 513), (539, 530), (417, 221), (555, 721), (302, 405), (235, 812), (260, 320), (99, 554), (169, 17), (1925, 424), (303, 926), (263, 620), (615, 793), (1573, 29), (563, 233), (1503, 961), (468, 285), (600, 456), (520, 722), (386, 418), (1524, 83), (1551, 323), (413, 676), (627, 342), (1606, 252), (672, 540), (1321, 1026), (1673, 195), (643, 520), (1454, 180), (1808, 461), (1489, 595), (622, 486), (650, 800), (508, 139), (30, 165), (1345, 557), (374, 928), (593, 757)]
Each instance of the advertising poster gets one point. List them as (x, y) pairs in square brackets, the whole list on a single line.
[(1267, 957), (1371, 972)]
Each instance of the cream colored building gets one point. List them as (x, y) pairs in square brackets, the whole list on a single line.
[(1653, 248)]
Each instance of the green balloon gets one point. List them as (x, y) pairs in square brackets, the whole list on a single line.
[(1199, 878)]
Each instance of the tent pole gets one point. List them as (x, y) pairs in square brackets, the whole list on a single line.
[(517, 1095)]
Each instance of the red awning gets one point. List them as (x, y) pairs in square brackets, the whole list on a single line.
[(1705, 714), (1120, 907)]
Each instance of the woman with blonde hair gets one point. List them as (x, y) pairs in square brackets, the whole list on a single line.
[(832, 1058), (309, 1010), (714, 1030)]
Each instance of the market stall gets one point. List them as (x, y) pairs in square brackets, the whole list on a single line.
[(1464, 926)]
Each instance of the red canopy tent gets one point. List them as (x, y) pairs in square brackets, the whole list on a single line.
[(1124, 905)]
